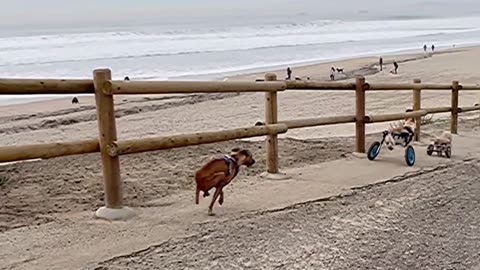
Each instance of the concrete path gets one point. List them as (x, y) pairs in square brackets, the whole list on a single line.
[(76, 241)]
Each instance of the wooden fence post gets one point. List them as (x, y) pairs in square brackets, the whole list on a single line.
[(417, 105), (454, 114), (113, 209), (360, 114), (271, 118)]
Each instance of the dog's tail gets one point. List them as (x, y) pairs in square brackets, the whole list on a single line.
[(199, 175)]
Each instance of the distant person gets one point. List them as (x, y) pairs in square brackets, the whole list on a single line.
[(289, 73), (425, 48), (75, 100), (126, 78), (433, 48), (395, 66), (380, 61), (332, 74)]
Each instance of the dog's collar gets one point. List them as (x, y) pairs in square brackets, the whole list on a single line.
[(230, 157), (232, 165)]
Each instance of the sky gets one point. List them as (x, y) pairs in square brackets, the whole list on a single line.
[(34, 12)]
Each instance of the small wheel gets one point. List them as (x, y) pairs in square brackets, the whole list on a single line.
[(430, 149), (374, 150), (448, 152), (410, 155)]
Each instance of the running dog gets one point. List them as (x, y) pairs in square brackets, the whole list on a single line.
[(400, 132), (441, 145), (218, 173)]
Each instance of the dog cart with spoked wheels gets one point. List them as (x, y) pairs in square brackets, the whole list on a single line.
[(441, 145), (391, 139), (439, 148)]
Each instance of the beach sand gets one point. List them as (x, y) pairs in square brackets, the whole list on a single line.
[(139, 117), (37, 191)]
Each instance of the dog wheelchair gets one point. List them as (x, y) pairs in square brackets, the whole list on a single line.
[(440, 147), (403, 138)]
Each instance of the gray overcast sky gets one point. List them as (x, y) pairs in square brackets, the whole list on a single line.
[(47, 11), (21, 12)]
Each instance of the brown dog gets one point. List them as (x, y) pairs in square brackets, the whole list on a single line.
[(218, 173)]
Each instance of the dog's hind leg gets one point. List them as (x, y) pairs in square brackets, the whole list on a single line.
[(215, 180), (218, 190), (220, 200)]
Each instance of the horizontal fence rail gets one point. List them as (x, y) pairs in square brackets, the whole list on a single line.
[(470, 87), (468, 109), (393, 117), (111, 148), (437, 110), (407, 86), (47, 150), (309, 85), (320, 121), (132, 87), (47, 86), (169, 142), (54, 86)]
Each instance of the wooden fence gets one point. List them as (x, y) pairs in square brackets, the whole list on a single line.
[(110, 148)]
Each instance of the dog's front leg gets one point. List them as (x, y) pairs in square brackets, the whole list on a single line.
[(218, 190), (197, 195)]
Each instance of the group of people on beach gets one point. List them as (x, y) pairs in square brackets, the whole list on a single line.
[(289, 75), (425, 48), (395, 65)]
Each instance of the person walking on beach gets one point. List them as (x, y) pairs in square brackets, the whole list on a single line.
[(381, 63), (433, 48), (289, 73), (425, 47), (395, 65)]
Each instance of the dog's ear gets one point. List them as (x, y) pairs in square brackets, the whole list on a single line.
[(236, 149), (246, 153)]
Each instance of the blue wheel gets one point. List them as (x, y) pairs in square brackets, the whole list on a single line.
[(374, 150), (410, 155)]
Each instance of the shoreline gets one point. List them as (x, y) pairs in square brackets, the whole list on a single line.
[(369, 64), (403, 55)]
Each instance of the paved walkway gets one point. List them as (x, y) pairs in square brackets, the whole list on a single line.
[(77, 241), (429, 221)]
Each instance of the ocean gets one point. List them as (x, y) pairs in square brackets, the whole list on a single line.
[(211, 50)]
